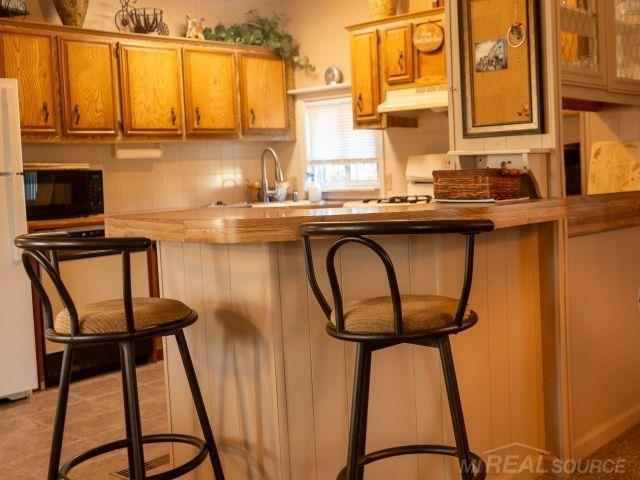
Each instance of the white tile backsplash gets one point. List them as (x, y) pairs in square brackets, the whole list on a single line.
[(188, 175)]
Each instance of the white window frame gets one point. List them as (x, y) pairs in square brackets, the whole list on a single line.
[(337, 192)]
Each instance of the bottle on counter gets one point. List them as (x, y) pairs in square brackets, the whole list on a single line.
[(313, 188)]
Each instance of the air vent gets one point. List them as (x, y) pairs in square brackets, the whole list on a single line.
[(148, 466)]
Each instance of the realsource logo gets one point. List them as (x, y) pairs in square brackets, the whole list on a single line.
[(517, 458)]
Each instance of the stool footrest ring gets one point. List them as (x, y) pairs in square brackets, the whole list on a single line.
[(476, 461), (150, 439)]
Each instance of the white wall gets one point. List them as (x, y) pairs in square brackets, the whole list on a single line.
[(621, 123), (101, 13), (189, 174)]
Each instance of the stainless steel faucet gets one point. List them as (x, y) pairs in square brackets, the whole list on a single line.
[(268, 194)]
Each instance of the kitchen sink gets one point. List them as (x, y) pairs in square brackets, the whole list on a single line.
[(287, 204)]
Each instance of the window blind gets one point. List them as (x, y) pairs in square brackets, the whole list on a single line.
[(332, 138)]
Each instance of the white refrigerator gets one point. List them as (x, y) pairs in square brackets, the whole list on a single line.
[(18, 371)]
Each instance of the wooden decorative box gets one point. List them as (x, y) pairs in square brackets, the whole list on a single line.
[(480, 184)]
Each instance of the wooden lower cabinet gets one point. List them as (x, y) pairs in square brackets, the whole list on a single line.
[(210, 88), (264, 93), (88, 87), (151, 90), (30, 59)]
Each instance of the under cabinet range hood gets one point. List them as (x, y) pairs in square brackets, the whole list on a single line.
[(413, 99)]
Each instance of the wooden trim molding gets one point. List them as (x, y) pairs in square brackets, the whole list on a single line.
[(589, 214), (266, 225)]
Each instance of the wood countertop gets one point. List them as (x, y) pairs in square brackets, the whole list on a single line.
[(260, 225), (61, 224), (590, 214)]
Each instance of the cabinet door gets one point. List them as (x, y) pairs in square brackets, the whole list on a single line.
[(583, 42), (365, 79), (88, 88), (398, 54), (30, 59), (264, 94), (151, 90), (210, 91), (432, 66), (623, 27)]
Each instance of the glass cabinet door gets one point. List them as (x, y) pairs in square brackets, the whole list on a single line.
[(624, 24), (582, 42)]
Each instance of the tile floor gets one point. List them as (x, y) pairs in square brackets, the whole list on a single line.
[(626, 448), (95, 416)]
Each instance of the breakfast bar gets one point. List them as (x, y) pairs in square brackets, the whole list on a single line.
[(277, 386)]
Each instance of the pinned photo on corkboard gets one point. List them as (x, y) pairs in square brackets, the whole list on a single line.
[(491, 56), (499, 45)]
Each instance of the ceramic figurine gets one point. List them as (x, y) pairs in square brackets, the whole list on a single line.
[(72, 12), (195, 29)]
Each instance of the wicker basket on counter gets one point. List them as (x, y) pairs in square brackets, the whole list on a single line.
[(480, 184)]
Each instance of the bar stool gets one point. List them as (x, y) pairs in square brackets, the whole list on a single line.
[(117, 322), (383, 322)]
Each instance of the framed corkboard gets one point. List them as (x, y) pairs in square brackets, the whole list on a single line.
[(500, 57)]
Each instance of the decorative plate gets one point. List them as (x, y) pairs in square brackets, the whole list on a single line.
[(428, 37), (333, 76)]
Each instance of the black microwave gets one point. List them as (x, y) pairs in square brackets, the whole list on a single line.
[(63, 193)]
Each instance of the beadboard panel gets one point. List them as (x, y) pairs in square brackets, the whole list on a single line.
[(604, 321), (278, 388)]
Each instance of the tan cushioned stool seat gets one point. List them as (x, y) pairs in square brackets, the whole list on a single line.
[(109, 317), (419, 313)]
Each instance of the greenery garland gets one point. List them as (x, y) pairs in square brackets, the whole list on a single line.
[(259, 30)]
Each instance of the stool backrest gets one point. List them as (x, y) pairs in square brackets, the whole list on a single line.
[(358, 232), (41, 249)]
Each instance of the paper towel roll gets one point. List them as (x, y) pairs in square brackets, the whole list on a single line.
[(133, 153)]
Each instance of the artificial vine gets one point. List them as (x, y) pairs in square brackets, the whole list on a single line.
[(259, 30)]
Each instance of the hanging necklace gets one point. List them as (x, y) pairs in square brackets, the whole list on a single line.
[(517, 33)]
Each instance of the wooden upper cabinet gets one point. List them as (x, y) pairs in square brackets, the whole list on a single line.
[(89, 101), (264, 93), (365, 79), (151, 90), (30, 59), (623, 34), (210, 91), (398, 54), (583, 42)]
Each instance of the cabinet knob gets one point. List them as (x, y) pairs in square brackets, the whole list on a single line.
[(174, 116), (198, 117), (76, 114), (253, 116), (45, 112)]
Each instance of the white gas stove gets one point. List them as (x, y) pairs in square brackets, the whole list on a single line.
[(405, 200)]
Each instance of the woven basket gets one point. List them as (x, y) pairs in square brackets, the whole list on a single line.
[(482, 184), (383, 8)]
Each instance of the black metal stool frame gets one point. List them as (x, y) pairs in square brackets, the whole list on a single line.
[(42, 250), (358, 232)]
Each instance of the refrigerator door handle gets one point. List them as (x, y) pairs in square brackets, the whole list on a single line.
[(10, 142), (17, 224)]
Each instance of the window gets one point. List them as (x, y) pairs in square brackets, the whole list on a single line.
[(341, 157)]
